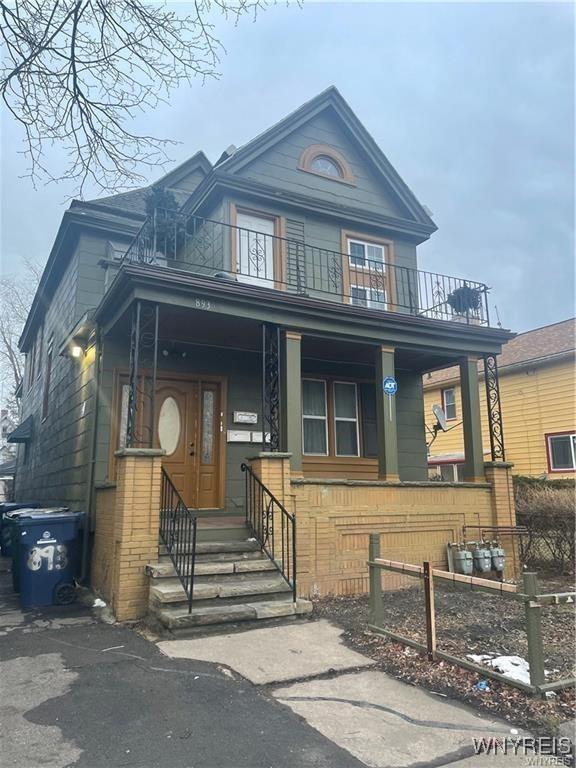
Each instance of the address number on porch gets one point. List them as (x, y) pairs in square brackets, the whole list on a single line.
[(202, 303)]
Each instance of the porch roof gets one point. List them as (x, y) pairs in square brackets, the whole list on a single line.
[(311, 316)]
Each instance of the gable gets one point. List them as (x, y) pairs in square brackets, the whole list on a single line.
[(278, 167), (272, 159)]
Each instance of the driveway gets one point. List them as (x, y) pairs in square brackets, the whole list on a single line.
[(78, 692)]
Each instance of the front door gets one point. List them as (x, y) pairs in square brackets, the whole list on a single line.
[(255, 250), (188, 429)]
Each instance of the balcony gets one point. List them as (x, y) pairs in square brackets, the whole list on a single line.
[(215, 249)]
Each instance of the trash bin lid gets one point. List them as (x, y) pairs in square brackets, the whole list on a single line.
[(10, 506), (59, 514), (18, 512)]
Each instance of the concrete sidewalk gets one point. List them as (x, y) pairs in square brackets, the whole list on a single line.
[(379, 720)]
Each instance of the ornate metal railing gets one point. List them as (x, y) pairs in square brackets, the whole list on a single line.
[(272, 526), (178, 527), (216, 249)]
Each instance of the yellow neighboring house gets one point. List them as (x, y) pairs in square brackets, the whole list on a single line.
[(538, 395)]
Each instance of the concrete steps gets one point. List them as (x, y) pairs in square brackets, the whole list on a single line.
[(231, 590), (234, 583), (221, 617)]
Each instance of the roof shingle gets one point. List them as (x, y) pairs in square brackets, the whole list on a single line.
[(536, 345)]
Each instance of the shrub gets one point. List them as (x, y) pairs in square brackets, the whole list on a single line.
[(547, 511)]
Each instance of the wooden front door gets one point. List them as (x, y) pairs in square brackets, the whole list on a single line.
[(188, 429)]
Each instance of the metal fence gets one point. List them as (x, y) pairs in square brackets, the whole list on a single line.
[(530, 603), (216, 249)]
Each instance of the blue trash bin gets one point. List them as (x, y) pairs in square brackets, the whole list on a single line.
[(14, 532), (5, 536), (48, 557)]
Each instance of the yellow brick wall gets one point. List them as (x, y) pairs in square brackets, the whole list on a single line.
[(334, 522), (126, 534), (535, 401)]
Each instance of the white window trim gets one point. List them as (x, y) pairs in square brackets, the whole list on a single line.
[(449, 418), (365, 243), (572, 437), (370, 303), (317, 418), (346, 418)]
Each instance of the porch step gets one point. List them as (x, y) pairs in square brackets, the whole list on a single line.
[(223, 616), (165, 568), (171, 590), (218, 547), (210, 531)]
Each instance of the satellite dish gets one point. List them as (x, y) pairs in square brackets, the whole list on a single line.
[(440, 416)]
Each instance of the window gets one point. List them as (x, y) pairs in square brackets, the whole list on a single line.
[(46, 393), (345, 419), (447, 473), (323, 160), (561, 449), (314, 417), (325, 165), (40, 341), (449, 403), (363, 254), (32, 363), (367, 297)]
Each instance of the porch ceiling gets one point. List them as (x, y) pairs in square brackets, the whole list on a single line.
[(180, 325)]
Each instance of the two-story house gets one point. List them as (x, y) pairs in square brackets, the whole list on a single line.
[(252, 349)]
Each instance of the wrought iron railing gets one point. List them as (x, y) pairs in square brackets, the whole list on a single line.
[(178, 527), (271, 525), (215, 249)]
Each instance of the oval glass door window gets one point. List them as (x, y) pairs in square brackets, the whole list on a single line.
[(169, 425)]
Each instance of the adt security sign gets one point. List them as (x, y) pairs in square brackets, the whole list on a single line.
[(390, 386)]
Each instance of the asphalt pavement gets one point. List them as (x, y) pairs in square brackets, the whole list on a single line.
[(78, 692)]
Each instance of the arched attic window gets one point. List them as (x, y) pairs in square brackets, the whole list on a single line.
[(326, 161)]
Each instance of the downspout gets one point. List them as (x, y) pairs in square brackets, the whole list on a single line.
[(92, 456)]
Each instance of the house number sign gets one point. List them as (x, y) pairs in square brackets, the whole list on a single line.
[(199, 303), (53, 556)]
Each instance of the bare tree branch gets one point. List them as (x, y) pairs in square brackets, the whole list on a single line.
[(16, 295), (76, 72)]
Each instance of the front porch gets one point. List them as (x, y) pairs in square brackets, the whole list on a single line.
[(199, 377)]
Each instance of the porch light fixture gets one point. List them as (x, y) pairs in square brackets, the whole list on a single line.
[(76, 343)]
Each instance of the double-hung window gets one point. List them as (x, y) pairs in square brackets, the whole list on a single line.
[(449, 403), (345, 419), (314, 417), (561, 452), (367, 269)]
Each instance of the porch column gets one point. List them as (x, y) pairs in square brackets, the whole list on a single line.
[(291, 371), (386, 417), (472, 424)]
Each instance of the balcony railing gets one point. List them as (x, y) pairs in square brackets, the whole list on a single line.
[(215, 249)]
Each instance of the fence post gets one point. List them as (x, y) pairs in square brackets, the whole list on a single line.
[(376, 613), (430, 613), (534, 630)]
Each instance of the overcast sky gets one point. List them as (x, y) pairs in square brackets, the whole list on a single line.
[(472, 103)]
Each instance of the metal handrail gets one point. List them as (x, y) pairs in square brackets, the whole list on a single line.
[(178, 529), (209, 247), (272, 526)]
